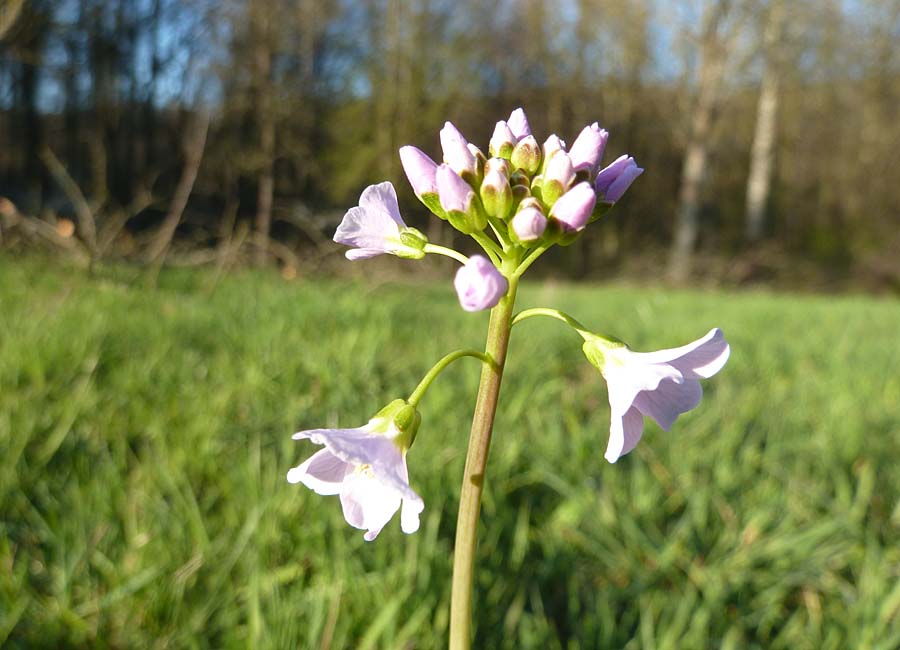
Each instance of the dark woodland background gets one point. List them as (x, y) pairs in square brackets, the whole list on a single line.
[(189, 131)]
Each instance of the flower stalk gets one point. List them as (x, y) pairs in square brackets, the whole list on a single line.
[(473, 475)]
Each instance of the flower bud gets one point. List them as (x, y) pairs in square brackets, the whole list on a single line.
[(526, 155), (496, 193), (616, 177), (551, 146), (479, 285), (557, 178), (502, 142), (456, 151), (587, 150), (420, 170), (573, 209), (518, 124), (458, 201), (528, 224)]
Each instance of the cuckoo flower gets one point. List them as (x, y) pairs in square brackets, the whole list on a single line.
[(573, 209), (587, 150), (615, 178), (375, 227), (366, 466), (479, 285), (529, 223), (502, 141), (660, 384)]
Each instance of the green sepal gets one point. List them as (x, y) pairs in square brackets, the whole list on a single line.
[(415, 241), (405, 419), (433, 202), (600, 210), (459, 221)]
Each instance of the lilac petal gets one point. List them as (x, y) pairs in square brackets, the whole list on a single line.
[(625, 379), (382, 198), (362, 253), (529, 224), (456, 149), (701, 358), (610, 173), (518, 124), (623, 182), (624, 433), (454, 193), (587, 150), (669, 400), (573, 209), (367, 503), (420, 170), (323, 473)]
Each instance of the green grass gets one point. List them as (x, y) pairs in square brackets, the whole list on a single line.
[(145, 436)]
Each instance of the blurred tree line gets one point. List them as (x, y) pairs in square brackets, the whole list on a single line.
[(769, 129)]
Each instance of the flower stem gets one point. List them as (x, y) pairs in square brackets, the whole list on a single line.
[(437, 368), (473, 475), (558, 315), (446, 252)]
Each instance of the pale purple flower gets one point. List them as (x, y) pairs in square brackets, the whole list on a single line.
[(560, 170), (551, 145), (367, 468), (373, 227), (529, 224), (615, 178), (573, 209), (660, 384), (518, 124), (420, 170), (456, 150), (479, 285), (587, 150), (454, 192)]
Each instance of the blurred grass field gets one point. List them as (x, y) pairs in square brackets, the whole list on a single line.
[(145, 437)]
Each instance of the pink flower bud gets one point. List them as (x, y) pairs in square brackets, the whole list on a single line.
[(616, 177), (456, 150), (526, 155), (587, 150), (479, 285), (518, 124), (503, 141), (551, 146), (420, 170), (454, 192), (573, 209), (529, 224), (560, 170)]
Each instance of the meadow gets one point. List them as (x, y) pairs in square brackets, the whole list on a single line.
[(145, 437)]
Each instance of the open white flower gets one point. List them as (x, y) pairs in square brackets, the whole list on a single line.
[(661, 384), (375, 227), (366, 466)]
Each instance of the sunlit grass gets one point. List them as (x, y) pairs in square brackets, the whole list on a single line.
[(145, 436)]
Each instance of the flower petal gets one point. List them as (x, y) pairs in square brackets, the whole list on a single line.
[(368, 229), (624, 433), (323, 473), (625, 378), (669, 400), (382, 198), (368, 503), (701, 358)]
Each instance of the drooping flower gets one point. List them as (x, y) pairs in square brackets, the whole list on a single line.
[(375, 227), (479, 285), (366, 466), (661, 384), (587, 150), (573, 209), (615, 178)]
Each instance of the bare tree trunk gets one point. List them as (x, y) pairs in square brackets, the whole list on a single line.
[(265, 121), (713, 49), (193, 153), (762, 154)]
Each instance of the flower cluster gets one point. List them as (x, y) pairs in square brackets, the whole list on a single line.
[(530, 195), (515, 203)]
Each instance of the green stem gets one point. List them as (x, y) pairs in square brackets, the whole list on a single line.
[(492, 249), (437, 368), (531, 258), (446, 252), (558, 315), (473, 475)]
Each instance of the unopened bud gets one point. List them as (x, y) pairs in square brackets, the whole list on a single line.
[(456, 151), (528, 224), (557, 178), (587, 150), (613, 180), (573, 209), (526, 155), (502, 142), (496, 193), (551, 146), (518, 124)]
